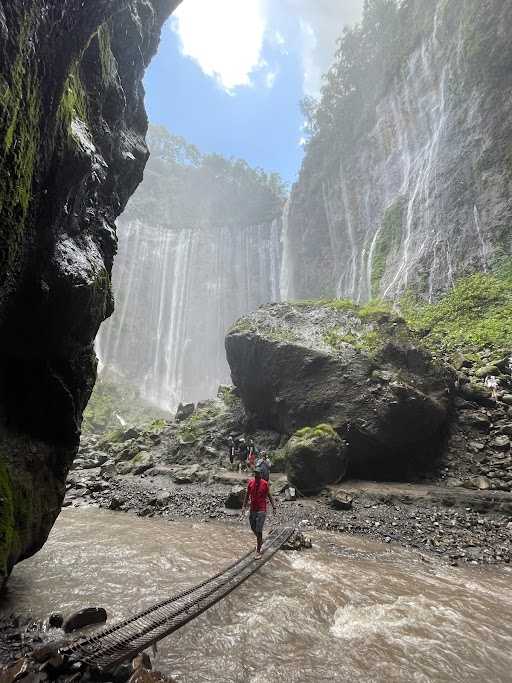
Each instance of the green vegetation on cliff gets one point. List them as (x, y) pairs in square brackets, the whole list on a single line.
[(19, 138), (112, 399), (387, 239), (475, 315)]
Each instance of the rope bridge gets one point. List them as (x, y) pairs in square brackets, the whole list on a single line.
[(124, 640)]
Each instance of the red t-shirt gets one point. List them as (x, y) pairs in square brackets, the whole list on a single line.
[(258, 492)]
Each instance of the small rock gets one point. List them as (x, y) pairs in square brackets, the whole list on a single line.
[(482, 483), (55, 620), (115, 503), (184, 411), (341, 501), (476, 446), (235, 498), (487, 370), (501, 442), (507, 398), (85, 617), (290, 494)]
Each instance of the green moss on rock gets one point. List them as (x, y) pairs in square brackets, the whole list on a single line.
[(388, 239), (476, 314)]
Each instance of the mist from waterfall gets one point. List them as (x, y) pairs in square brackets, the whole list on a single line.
[(183, 275)]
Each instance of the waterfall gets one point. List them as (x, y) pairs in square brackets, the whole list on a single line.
[(286, 274), (422, 193), (177, 292)]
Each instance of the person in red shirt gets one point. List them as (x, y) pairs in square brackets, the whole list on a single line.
[(258, 491)]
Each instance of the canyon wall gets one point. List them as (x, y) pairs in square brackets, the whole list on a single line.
[(72, 127), (407, 182)]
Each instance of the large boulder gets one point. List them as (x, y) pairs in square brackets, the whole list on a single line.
[(315, 457), (297, 365)]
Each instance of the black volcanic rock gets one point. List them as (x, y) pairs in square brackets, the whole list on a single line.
[(302, 365), (72, 126)]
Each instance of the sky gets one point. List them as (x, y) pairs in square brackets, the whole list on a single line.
[(229, 74)]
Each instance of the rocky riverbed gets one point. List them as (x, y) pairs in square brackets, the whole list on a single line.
[(456, 524)]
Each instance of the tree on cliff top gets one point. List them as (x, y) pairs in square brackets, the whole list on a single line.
[(195, 189)]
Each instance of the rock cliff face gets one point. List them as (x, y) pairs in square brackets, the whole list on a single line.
[(72, 126), (199, 245), (420, 193)]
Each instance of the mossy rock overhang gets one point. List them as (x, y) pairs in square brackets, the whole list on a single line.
[(355, 368), (72, 151)]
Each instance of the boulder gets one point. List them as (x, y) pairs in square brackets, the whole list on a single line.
[(315, 457), (185, 410), (187, 475), (85, 617), (298, 365), (501, 443), (475, 419), (235, 498), (507, 398), (141, 462), (341, 501), (487, 370), (477, 393)]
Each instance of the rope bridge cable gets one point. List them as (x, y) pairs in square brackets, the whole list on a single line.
[(127, 638)]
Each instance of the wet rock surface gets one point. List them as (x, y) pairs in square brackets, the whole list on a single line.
[(72, 151), (299, 365)]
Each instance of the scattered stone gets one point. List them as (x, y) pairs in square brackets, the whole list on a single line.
[(476, 419), (55, 620), (184, 411), (476, 446), (115, 503), (290, 494), (88, 616), (487, 370), (483, 484), (235, 498), (341, 501), (383, 375), (501, 442)]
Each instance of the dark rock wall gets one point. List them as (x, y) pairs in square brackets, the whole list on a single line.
[(422, 195), (72, 127)]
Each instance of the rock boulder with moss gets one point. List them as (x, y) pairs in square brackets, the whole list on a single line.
[(315, 457), (356, 368)]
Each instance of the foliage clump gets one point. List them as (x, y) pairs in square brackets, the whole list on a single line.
[(320, 431), (111, 401), (205, 189), (475, 314)]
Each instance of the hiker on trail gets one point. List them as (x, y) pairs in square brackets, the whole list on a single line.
[(251, 458), (232, 450), (242, 454), (257, 491), (264, 465), (492, 382)]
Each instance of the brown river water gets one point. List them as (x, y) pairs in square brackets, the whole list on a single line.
[(347, 610)]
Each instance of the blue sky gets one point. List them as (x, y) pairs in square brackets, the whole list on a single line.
[(229, 75)]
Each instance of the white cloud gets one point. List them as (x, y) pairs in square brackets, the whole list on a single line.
[(270, 78), (227, 37), (224, 37)]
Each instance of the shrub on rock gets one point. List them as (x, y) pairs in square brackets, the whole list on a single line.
[(315, 457)]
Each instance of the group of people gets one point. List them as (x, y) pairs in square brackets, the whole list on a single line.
[(246, 456)]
